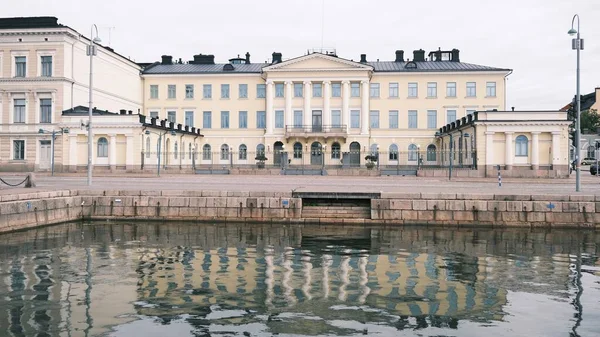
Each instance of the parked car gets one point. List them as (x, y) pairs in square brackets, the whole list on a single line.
[(588, 161), (593, 169)]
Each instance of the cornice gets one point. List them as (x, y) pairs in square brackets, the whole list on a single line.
[(38, 32), (34, 79)]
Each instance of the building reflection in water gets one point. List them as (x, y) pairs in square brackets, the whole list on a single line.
[(82, 280)]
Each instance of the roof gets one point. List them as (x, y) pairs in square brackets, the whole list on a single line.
[(392, 66), (29, 22), (587, 101), (203, 68), (82, 110)]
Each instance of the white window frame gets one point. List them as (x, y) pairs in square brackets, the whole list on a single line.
[(169, 86), (157, 91), (41, 53), (12, 150), (38, 112), (11, 113), (185, 113), (240, 86), (467, 89), (431, 89), (448, 87), (487, 87), (397, 88), (192, 91), (416, 90)]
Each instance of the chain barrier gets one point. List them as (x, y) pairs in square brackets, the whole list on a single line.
[(14, 185)]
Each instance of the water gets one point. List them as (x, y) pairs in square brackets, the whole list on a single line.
[(175, 279)]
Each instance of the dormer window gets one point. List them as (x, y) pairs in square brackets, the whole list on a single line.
[(410, 65), (228, 67)]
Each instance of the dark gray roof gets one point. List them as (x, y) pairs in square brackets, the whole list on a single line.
[(203, 68), (391, 66)]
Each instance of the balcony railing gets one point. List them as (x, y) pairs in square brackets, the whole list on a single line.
[(314, 130)]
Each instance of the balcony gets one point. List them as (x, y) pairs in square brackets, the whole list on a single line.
[(307, 131)]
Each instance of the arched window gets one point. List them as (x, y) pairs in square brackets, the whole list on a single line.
[(412, 152), (148, 147), (336, 150), (243, 152), (297, 151), (224, 152), (206, 152), (102, 147), (393, 152), (260, 150), (431, 153), (521, 146), (175, 149)]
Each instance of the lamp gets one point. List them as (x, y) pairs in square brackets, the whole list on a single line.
[(577, 44), (159, 146), (54, 135), (91, 52)]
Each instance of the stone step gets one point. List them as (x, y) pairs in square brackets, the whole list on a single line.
[(327, 208), (336, 216)]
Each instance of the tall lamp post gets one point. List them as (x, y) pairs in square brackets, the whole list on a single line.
[(54, 135), (91, 52), (160, 136), (577, 44)]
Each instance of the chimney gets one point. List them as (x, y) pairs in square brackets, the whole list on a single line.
[(167, 59), (419, 55), (276, 58), (399, 55), (247, 58), (438, 54), (455, 53), (130, 112), (122, 111), (363, 58), (204, 59), (513, 108)]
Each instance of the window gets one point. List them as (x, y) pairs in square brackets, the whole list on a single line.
[(393, 119), (450, 116), (175, 149), (207, 91), (413, 90), (19, 111), (224, 119), (298, 89), (45, 110), (224, 152), (172, 91), (450, 89), (393, 152), (18, 149), (393, 89), (207, 119), (243, 120), (355, 89), (260, 150), (189, 118), (261, 120), (355, 119), (243, 88), (470, 112), (374, 119), (431, 89), (521, 146), (20, 66), (471, 89), (102, 148), (261, 91), (336, 150), (297, 150), (224, 90), (336, 90), (490, 89), (374, 90), (148, 147), (412, 152), (47, 66), (279, 119), (297, 118), (431, 153), (412, 119), (172, 116), (279, 90), (317, 90), (189, 91), (153, 114), (336, 118), (206, 155), (154, 91), (431, 119), (243, 152)]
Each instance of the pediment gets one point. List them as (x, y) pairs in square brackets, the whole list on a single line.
[(317, 62)]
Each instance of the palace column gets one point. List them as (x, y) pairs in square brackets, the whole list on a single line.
[(270, 118), (364, 113), (327, 103), (555, 149), (307, 108), (489, 152), (346, 104), (112, 151), (508, 150), (289, 114), (129, 155), (535, 150), (72, 153)]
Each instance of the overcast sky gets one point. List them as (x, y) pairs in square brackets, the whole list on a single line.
[(528, 36)]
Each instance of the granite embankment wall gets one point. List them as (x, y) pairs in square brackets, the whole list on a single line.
[(22, 211)]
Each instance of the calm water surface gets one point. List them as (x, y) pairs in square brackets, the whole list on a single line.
[(175, 279)]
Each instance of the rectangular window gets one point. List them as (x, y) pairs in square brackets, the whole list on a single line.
[(207, 91), (45, 110), (413, 90), (490, 89), (393, 117), (224, 90), (243, 88), (336, 118), (20, 66), (207, 119), (172, 89), (431, 89), (243, 120), (154, 91), (471, 89), (374, 89), (317, 90), (450, 116), (450, 89), (355, 119), (279, 119), (374, 119), (189, 118), (261, 120), (261, 91), (470, 112), (224, 119), (153, 114), (355, 89), (336, 90), (298, 87), (189, 91), (297, 118), (431, 119), (279, 90), (47, 66), (18, 149), (19, 111), (172, 116), (393, 89), (412, 119)]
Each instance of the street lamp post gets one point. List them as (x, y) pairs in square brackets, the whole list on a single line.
[(91, 52), (577, 44), (54, 135), (160, 136)]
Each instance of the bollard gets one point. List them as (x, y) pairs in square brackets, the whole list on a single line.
[(499, 177)]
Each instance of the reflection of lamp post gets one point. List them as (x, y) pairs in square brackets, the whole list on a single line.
[(467, 135), (91, 52), (377, 156), (451, 153), (578, 45), (54, 135)]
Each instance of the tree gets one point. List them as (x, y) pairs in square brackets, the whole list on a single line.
[(590, 120)]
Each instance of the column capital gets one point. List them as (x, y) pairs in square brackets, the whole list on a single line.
[(270, 82), (289, 82), (307, 82), (509, 133), (346, 82), (112, 135), (364, 81), (535, 132), (327, 82)]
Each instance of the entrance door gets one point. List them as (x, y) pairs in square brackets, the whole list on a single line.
[(45, 154), (317, 120), (316, 154), (355, 154), (277, 148)]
